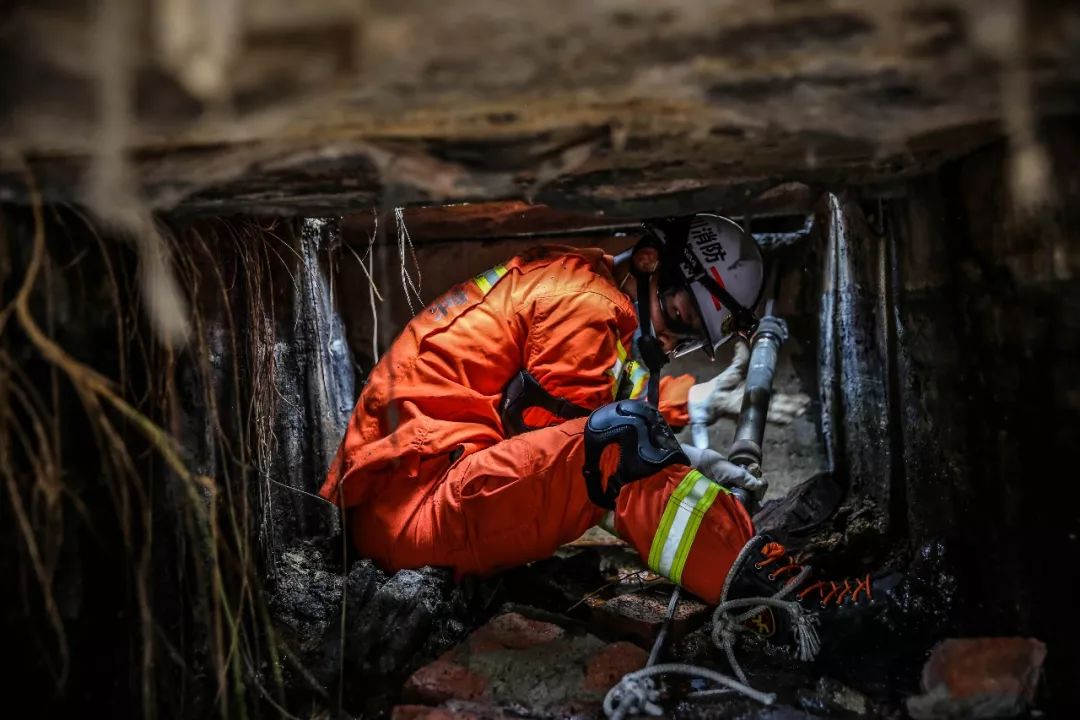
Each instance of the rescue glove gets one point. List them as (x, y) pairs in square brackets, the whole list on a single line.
[(722, 396), (716, 467)]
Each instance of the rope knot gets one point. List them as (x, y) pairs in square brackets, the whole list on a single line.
[(724, 630), (632, 696)]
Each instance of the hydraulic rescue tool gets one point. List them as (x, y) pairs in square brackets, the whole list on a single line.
[(765, 346)]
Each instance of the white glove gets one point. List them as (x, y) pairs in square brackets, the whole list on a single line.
[(715, 466), (723, 395)]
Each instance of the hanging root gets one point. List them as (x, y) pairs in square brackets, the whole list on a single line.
[(88, 382), (110, 191), (411, 288), (95, 392), (218, 524)]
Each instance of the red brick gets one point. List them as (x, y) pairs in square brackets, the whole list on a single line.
[(983, 677), (417, 712), (606, 667), (443, 680), (640, 615), (516, 662), (511, 631), (972, 666)]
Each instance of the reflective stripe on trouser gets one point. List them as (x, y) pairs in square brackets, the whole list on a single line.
[(517, 500), (685, 527), (679, 524)]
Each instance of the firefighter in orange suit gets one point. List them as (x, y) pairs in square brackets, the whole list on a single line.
[(508, 416)]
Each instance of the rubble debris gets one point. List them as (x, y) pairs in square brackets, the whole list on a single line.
[(415, 613), (744, 709), (979, 678), (577, 579), (535, 667), (393, 624), (831, 698), (304, 598), (696, 647), (597, 537), (805, 507)]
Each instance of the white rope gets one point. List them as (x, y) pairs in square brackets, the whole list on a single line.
[(725, 626), (658, 645), (636, 694)]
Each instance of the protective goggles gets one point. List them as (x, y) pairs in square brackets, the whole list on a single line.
[(680, 322)]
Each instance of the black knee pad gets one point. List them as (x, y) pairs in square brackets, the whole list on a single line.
[(646, 443)]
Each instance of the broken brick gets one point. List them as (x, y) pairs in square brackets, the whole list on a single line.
[(979, 677), (640, 615), (523, 663), (511, 631), (596, 537)]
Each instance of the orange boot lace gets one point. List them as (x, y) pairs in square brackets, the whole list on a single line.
[(827, 590)]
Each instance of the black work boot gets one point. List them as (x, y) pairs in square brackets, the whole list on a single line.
[(840, 609)]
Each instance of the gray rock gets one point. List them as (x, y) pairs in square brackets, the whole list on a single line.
[(392, 624)]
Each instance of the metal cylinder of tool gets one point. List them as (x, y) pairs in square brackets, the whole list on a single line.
[(750, 431)]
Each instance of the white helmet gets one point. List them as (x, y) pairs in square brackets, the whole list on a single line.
[(722, 267)]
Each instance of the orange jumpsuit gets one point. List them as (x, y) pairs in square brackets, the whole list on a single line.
[(428, 477)]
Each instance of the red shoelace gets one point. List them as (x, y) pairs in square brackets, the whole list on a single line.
[(828, 591)]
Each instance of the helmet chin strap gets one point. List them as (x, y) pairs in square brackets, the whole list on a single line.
[(649, 349)]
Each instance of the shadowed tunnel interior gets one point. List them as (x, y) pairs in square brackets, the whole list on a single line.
[(212, 226)]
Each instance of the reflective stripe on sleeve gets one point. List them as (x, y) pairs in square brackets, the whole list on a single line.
[(487, 279), (639, 379), (616, 370)]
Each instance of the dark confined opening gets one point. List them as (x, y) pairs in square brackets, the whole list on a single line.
[(217, 220)]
